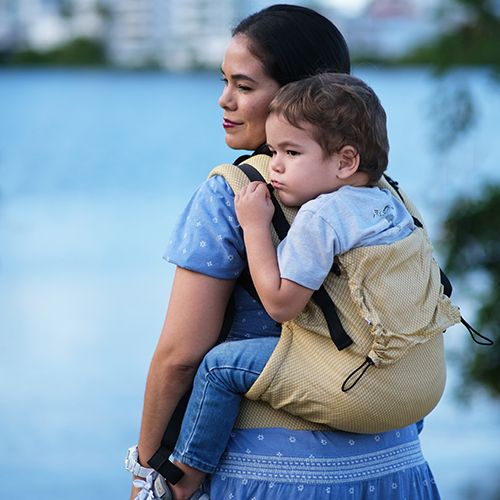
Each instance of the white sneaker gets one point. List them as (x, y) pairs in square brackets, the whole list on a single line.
[(162, 491), (146, 486)]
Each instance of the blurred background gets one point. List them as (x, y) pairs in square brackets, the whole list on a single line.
[(109, 121)]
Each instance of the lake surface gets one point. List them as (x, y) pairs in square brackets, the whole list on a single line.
[(94, 169)]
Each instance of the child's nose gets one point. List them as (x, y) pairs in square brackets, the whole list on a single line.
[(276, 164)]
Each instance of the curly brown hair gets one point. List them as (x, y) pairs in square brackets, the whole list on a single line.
[(342, 110)]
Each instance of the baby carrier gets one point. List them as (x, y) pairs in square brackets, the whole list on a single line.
[(356, 382), (385, 368)]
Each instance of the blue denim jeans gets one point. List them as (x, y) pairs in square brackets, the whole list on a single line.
[(224, 376)]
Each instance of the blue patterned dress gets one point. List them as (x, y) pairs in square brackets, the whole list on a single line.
[(277, 462)]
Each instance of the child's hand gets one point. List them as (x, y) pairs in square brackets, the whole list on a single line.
[(254, 206)]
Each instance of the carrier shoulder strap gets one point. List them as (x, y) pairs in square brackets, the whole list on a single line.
[(445, 281), (477, 337), (320, 297)]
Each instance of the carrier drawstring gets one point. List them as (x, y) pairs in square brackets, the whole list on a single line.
[(363, 367), (473, 332)]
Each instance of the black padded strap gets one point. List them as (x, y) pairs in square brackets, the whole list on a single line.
[(320, 297), (337, 333), (261, 150), (447, 288), (160, 460), (280, 223), (251, 172), (395, 185)]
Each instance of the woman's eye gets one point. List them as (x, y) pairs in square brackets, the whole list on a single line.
[(224, 80), (244, 88)]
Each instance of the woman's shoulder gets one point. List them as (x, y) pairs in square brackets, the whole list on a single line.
[(212, 195), (216, 184), (207, 237)]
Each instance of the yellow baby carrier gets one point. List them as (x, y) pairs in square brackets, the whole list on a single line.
[(353, 383), (385, 367)]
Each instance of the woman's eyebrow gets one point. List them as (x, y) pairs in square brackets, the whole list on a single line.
[(240, 76)]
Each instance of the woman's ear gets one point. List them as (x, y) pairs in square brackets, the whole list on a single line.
[(348, 161)]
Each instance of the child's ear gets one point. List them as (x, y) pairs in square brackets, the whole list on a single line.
[(348, 161)]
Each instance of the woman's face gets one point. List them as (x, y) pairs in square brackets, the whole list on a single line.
[(246, 96)]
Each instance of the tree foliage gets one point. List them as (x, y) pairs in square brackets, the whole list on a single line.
[(471, 236), (472, 242), (77, 52), (475, 41)]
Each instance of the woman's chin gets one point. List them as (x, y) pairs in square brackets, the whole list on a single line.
[(240, 143)]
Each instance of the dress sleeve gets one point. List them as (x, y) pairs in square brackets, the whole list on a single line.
[(207, 237), (305, 256)]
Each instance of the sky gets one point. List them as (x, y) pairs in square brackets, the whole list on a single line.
[(347, 6), (352, 7)]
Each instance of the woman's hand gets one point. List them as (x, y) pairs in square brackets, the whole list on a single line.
[(254, 206), (134, 493)]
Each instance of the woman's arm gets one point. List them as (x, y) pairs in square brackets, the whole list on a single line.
[(192, 325), (283, 299)]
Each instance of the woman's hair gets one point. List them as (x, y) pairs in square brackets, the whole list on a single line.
[(342, 110), (294, 42)]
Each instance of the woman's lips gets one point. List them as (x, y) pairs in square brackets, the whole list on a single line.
[(227, 124)]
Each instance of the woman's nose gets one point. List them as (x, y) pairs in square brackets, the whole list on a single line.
[(226, 99)]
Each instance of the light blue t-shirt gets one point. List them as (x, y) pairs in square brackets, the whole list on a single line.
[(334, 223)]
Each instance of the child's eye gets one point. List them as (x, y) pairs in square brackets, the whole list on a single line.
[(291, 152)]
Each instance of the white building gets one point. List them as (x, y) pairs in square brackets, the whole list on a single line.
[(7, 25), (182, 34), (31, 24), (174, 34), (132, 36)]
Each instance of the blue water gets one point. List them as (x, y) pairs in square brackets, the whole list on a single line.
[(94, 168)]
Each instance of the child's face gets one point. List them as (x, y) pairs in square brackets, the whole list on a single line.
[(299, 168)]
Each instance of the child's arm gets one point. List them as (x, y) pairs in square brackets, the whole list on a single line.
[(282, 299)]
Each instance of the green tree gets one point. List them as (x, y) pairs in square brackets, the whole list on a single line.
[(473, 42), (76, 52), (472, 242), (471, 235)]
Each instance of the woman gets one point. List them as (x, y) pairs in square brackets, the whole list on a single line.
[(264, 459)]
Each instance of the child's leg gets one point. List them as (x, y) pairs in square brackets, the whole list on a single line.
[(225, 374)]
